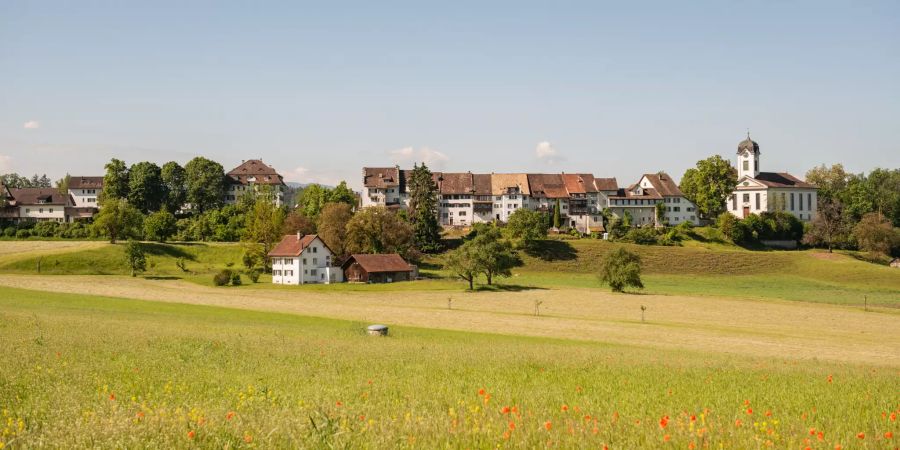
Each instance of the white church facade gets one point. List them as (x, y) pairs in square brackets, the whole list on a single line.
[(758, 191)]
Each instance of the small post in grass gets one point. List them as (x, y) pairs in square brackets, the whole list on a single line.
[(537, 307), (643, 308), (866, 303), (449, 303)]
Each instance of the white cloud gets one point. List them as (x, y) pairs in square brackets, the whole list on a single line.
[(407, 156), (547, 153), (32, 125)]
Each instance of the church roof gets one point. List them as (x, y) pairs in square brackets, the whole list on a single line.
[(748, 144), (782, 180)]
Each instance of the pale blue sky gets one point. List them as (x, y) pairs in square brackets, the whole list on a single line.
[(321, 89)]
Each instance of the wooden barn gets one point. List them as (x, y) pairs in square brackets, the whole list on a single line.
[(385, 268)]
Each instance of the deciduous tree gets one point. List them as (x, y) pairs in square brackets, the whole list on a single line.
[(875, 234), (175, 185), (829, 228), (378, 230), (464, 263), (146, 191), (160, 226), (118, 220), (115, 182), (494, 255), (342, 194), (205, 184), (332, 226), (709, 185), (134, 257), (620, 269), (526, 226)]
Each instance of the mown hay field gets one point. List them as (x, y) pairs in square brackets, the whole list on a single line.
[(89, 371)]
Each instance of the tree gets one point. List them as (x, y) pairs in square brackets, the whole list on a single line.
[(146, 190), (829, 228), (173, 178), (660, 210), (378, 230), (205, 184), (160, 226), (332, 227), (526, 226), (875, 234), (296, 222), (557, 222), (311, 199), (709, 185), (342, 194), (40, 182), (264, 225), (620, 269), (118, 220), (14, 181), (423, 209), (134, 257), (62, 184), (494, 256), (885, 184), (463, 262), (831, 181), (115, 182)]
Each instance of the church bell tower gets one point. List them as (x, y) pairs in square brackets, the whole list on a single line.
[(748, 158)]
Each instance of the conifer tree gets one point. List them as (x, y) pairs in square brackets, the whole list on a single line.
[(423, 210)]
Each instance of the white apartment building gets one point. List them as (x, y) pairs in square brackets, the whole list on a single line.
[(85, 191), (758, 192), (641, 198), (36, 205), (302, 260)]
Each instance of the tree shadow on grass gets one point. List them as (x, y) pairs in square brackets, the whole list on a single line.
[(507, 288), (157, 249), (552, 250), (162, 277)]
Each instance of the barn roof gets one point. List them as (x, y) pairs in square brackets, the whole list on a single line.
[(388, 262)]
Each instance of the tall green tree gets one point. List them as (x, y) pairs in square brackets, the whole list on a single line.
[(263, 225), (709, 184), (160, 226), (311, 199), (831, 181), (62, 185), (830, 228), (342, 194), (134, 257), (40, 182), (173, 178), (115, 182), (423, 209), (146, 190), (526, 226), (875, 235), (463, 261), (205, 184), (620, 269), (378, 230), (557, 221), (332, 226), (296, 222), (493, 254), (117, 219)]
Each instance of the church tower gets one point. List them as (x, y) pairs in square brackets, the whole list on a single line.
[(748, 158)]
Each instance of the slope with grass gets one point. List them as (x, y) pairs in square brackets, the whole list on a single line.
[(182, 376)]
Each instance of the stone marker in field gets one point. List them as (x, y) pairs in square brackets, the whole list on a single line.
[(377, 330)]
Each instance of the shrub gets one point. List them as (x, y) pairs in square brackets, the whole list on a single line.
[(45, 229), (236, 279), (642, 236), (23, 234), (9, 232), (222, 278), (253, 275), (621, 268)]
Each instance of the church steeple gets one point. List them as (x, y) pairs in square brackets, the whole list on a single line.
[(748, 157)]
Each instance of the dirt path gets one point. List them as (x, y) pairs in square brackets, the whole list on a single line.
[(740, 327)]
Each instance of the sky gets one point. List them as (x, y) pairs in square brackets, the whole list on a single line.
[(318, 90)]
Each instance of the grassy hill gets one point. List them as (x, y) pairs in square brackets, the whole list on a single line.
[(168, 375)]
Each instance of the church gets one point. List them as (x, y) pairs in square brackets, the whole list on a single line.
[(757, 191)]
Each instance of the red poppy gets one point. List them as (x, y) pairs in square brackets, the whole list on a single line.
[(889, 435), (664, 421), (112, 397), (812, 431), (829, 378), (481, 391), (338, 404), (768, 413), (512, 426), (230, 415), (362, 417), (861, 435), (821, 436), (191, 434), (666, 438), (564, 408), (693, 418), (738, 423), (248, 439), (548, 425), (749, 410)]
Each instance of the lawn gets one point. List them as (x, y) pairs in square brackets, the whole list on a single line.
[(89, 371)]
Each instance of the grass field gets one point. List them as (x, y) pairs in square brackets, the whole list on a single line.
[(88, 371)]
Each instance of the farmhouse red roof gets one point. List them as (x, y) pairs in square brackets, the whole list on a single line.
[(78, 182), (456, 183), (664, 184), (290, 245), (381, 177), (39, 196), (255, 169), (606, 184), (389, 262)]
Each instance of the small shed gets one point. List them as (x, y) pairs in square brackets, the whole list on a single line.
[(895, 263), (380, 268)]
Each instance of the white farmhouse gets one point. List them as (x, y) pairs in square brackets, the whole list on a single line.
[(641, 198), (84, 194), (303, 259), (757, 191), (38, 205)]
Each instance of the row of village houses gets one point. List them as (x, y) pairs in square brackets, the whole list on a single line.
[(467, 198)]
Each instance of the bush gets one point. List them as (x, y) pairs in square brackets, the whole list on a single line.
[(222, 278), (45, 229), (641, 236), (23, 234), (236, 279), (253, 275), (621, 268), (9, 232)]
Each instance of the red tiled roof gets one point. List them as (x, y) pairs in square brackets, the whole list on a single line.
[(606, 184), (390, 262), (381, 177), (547, 185), (291, 246), (664, 184), (782, 180), (254, 171), (39, 196), (648, 193), (482, 183), (78, 182), (455, 183), (579, 183)]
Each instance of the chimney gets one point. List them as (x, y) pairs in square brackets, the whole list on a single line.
[(298, 235)]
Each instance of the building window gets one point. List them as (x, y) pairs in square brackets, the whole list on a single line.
[(746, 198), (809, 201), (733, 202), (792, 201), (800, 196), (315, 261), (757, 201), (277, 273), (312, 272), (315, 249), (783, 201), (304, 261)]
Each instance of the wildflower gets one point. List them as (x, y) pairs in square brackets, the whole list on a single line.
[(829, 378), (738, 423), (893, 416), (768, 413), (362, 418), (664, 421), (861, 435), (812, 431), (666, 438), (888, 435), (564, 408), (191, 434), (693, 418), (578, 389), (692, 446), (746, 402), (838, 447), (338, 404), (505, 410), (229, 415), (506, 435), (548, 425), (112, 397), (587, 418), (512, 426), (820, 436), (140, 414), (749, 411), (248, 439), (481, 391)]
